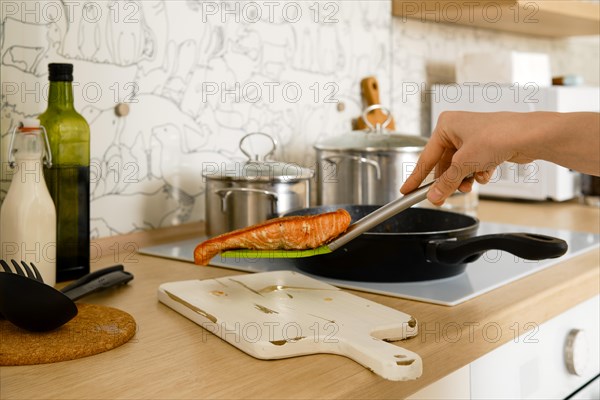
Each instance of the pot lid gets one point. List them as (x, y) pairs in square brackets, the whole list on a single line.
[(256, 171), (375, 138), (258, 168), (373, 141)]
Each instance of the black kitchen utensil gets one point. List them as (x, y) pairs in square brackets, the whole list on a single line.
[(418, 244), (32, 305)]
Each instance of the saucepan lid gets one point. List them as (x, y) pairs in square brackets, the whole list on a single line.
[(374, 138), (258, 167)]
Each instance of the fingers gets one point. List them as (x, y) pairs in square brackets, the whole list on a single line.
[(441, 190), (457, 149), (452, 179), (445, 162), (467, 184), (429, 158), (484, 177)]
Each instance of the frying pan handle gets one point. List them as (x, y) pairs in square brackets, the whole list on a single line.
[(524, 245)]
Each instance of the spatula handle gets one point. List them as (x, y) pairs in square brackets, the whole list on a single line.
[(380, 215), (104, 281)]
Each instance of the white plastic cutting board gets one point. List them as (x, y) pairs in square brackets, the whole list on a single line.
[(283, 314)]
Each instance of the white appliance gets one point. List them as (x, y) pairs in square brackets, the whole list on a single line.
[(504, 66), (539, 180), (559, 359), (552, 360)]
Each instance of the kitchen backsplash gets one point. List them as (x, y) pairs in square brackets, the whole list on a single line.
[(198, 75)]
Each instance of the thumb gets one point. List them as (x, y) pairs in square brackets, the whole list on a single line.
[(450, 180)]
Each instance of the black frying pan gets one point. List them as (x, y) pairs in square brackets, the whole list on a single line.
[(419, 244)]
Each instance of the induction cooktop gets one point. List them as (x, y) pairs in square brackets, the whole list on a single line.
[(494, 269)]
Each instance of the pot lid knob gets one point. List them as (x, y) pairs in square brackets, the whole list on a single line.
[(378, 127), (258, 157)]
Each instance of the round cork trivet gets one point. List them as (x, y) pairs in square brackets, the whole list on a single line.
[(94, 330)]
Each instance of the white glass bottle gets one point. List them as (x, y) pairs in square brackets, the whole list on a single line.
[(28, 216)]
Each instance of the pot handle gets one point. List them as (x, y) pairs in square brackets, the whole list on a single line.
[(225, 193), (524, 245), (379, 127), (258, 157), (361, 160)]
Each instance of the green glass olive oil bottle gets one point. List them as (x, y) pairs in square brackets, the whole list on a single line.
[(68, 179)]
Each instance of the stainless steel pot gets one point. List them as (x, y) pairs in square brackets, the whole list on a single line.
[(242, 194), (365, 166)]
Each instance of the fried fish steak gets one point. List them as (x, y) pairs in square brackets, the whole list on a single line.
[(285, 233)]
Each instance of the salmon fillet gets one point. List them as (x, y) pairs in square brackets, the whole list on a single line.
[(287, 233)]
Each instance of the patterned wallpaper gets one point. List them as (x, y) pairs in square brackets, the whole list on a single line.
[(198, 75)]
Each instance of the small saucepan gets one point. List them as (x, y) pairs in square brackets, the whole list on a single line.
[(247, 193), (419, 244)]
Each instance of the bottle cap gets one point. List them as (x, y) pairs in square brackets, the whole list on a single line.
[(60, 72), (30, 123)]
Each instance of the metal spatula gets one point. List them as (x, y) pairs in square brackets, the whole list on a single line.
[(359, 227)]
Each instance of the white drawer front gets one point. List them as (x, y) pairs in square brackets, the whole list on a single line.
[(534, 365)]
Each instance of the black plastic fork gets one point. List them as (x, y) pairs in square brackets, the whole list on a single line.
[(90, 283), (29, 271)]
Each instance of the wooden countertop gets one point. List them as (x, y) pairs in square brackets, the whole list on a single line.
[(171, 357)]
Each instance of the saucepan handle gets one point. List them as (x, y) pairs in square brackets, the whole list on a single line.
[(529, 246)]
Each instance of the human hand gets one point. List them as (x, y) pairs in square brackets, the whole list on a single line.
[(466, 144)]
